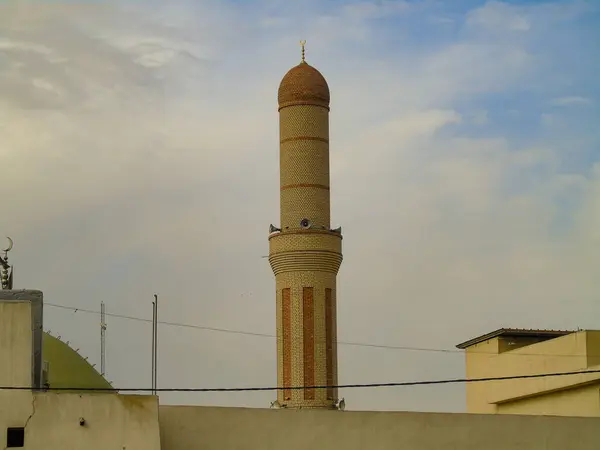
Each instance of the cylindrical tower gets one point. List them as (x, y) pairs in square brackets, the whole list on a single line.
[(305, 254)]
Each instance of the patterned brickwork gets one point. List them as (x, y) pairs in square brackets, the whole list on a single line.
[(308, 203), (286, 332), (304, 185), (308, 334), (303, 120), (305, 261), (318, 261), (305, 251), (334, 353), (329, 324), (304, 138), (305, 240), (279, 340), (295, 282), (304, 161)]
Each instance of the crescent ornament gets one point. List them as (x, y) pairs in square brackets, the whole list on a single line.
[(10, 245)]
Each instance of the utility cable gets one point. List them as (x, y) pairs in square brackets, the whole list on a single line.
[(175, 324), (250, 333), (339, 386)]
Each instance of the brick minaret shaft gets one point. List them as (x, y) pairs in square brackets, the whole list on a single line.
[(305, 254)]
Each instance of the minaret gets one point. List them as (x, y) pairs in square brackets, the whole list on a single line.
[(305, 253)]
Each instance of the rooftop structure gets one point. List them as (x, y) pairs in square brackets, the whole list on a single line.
[(510, 352)]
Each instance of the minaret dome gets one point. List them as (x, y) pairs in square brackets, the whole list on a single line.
[(303, 85)]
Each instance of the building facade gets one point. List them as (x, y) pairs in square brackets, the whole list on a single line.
[(511, 352), (34, 417), (304, 252)]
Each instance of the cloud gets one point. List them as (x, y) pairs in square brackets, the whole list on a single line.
[(479, 117), (375, 10), (498, 16), (572, 100), (139, 155)]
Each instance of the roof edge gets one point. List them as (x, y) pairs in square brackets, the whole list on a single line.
[(522, 332)]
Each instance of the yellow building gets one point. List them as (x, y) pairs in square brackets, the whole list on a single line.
[(510, 352)]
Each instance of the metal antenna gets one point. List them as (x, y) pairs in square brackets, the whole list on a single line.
[(155, 344), (102, 339)]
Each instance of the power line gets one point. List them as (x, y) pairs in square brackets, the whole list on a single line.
[(339, 386), (175, 324), (251, 333)]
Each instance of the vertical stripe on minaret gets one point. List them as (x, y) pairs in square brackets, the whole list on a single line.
[(308, 333), (286, 328), (306, 254)]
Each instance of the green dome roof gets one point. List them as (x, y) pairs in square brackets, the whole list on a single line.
[(67, 368)]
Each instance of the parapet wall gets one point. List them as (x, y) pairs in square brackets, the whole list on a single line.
[(208, 428), (111, 421), (21, 321), (64, 421)]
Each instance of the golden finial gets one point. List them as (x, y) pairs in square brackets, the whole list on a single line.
[(302, 44)]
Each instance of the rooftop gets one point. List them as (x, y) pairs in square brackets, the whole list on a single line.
[(515, 332)]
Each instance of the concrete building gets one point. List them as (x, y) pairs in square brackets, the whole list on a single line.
[(34, 418), (510, 352), (305, 253)]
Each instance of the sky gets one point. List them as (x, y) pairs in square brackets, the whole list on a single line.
[(139, 155)]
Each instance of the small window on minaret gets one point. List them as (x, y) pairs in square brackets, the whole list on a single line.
[(15, 437)]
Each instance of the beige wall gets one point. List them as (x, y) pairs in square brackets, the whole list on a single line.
[(583, 401), (477, 360), (51, 420), (570, 353), (593, 347), (195, 428), (15, 343)]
